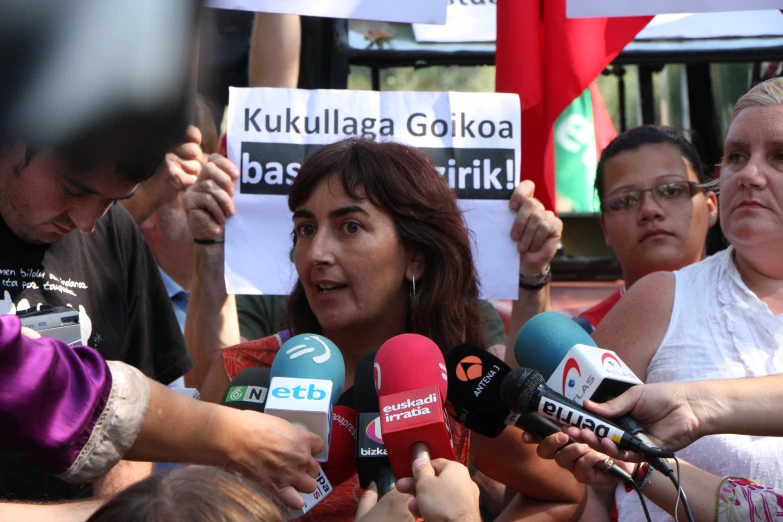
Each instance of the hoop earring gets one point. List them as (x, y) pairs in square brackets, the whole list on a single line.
[(412, 291)]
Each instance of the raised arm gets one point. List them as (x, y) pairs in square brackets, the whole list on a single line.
[(275, 47), (537, 232), (211, 322), (179, 170)]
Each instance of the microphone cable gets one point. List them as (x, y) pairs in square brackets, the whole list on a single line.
[(680, 494), (642, 500), (681, 497)]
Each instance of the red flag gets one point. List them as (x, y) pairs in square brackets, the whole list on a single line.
[(549, 60)]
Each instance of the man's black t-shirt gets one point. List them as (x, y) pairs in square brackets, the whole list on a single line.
[(111, 278)]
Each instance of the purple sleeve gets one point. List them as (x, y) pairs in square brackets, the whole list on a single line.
[(51, 396)]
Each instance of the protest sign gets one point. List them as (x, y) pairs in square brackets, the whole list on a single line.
[(410, 11), (472, 138), (466, 21), (597, 8)]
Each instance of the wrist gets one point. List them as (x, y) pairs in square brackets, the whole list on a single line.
[(231, 435), (209, 241), (535, 281), (141, 205), (210, 258), (712, 407), (532, 269)]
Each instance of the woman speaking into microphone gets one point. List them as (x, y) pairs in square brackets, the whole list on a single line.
[(381, 249)]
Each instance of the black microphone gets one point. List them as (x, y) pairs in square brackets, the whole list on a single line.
[(372, 459), (524, 390), (474, 393), (248, 390)]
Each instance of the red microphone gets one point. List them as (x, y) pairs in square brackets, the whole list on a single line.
[(342, 450), (410, 376)]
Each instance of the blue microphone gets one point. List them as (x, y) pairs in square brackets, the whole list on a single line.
[(545, 339), (308, 375)]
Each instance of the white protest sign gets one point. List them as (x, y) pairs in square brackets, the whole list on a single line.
[(466, 21), (472, 137), (593, 8), (409, 11)]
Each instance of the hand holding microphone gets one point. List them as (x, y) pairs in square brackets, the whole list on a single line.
[(308, 375), (570, 363), (524, 390), (674, 414), (475, 382), (391, 507), (443, 491), (582, 460), (278, 454)]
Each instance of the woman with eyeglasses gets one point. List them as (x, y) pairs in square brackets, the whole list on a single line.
[(654, 213), (721, 318)]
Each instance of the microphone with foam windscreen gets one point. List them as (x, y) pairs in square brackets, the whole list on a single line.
[(524, 390), (341, 464), (410, 376), (566, 355), (372, 460), (474, 394), (475, 379), (249, 391), (308, 375)]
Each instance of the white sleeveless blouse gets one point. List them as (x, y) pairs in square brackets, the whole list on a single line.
[(719, 329)]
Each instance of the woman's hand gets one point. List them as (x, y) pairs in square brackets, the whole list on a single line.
[(580, 459), (444, 491), (537, 230), (392, 507), (208, 202), (673, 414)]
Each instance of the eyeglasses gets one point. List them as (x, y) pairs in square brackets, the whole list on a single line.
[(676, 192)]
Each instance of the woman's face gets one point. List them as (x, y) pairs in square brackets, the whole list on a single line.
[(751, 179), (655, 234), (350, 260)]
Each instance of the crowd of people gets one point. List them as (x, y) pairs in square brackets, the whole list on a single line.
[(380, 248)]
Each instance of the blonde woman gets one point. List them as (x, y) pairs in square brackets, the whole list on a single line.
[(720, 318)]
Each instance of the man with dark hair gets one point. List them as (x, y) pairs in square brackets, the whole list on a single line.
[(66, 244)]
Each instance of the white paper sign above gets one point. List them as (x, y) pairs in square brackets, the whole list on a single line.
[(466, 21), (410, 11), (597, 8), (473, 139)]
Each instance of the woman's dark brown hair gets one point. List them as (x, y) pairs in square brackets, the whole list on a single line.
[(402, 181), (191, 494)]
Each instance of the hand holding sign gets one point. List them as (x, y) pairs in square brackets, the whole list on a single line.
[(536, 229), (209, 201)]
